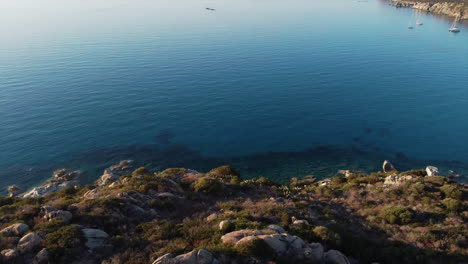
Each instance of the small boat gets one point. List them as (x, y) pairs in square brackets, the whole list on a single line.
[(454, 28), (410, 27), (210, 9), (419, 23)]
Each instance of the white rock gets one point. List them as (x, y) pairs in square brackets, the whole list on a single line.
[(276, 228), (387, 166), (235, 236), (432, 171), (15, 230), (113, 173), (396, 180), (223, 225)]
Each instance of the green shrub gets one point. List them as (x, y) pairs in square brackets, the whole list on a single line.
[(398, 215), (452, 191), (208, 185), (224, 171), (255, 247), (141, 171), (64, 243), (451, 204), (437, 180)]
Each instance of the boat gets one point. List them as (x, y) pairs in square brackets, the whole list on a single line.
[(454, 28), (410, 27), (419, 23), (418, 20)]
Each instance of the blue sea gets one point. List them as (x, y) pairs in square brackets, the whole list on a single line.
[(276, 88)]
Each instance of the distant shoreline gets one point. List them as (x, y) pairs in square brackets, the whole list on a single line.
[(452, 9)]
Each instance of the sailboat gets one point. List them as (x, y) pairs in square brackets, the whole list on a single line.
[(411, 21), (418, 20), (454, 28)]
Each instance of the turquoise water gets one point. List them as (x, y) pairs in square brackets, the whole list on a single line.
[(84, 83)]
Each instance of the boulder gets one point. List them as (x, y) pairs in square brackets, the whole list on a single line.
[(300, 222), (387, 166), (276, 228), (29, 242), (234, 237), (59, 215), (113, 173), (15, 230), (225, 225), (164, 259), (335, 257), (187, 258), (13, 190), (432, 171), (42, 257), (8, 255), (204, 257), (95, 238), (314, 253)]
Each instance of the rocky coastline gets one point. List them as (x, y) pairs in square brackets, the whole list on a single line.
[(181, 216), (457, 9)]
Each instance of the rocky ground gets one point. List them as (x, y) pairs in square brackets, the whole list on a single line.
[(457, 8), (181, 216)]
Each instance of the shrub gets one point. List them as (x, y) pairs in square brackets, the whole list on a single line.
[(254, 247), (64, 243), (207, 185), (224, 171), (452, 205), (141, 171), (398, 215), (452, 191), (437, 180)]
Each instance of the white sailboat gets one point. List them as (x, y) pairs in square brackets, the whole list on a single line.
[(418, 20), (411, 21), (454, 28)]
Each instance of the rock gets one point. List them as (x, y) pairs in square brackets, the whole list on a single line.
[(212, 217), (387, 166), (235, 236), (225, 225), (8, 255), (15, 230), (29, 242), (432, 171), (61, 179), (300, 222), (13, 190), (164, 259), (275, 242), (396, 180), (204, 257), (276, 228), (314, 253), (335, 257), (113, 173), (187, 258), (59, 215), (95, 238), (42, 257)]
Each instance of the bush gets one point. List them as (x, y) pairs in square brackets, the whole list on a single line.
[(254, 247), (452, 191), (398, 215), (452, 205), (141, 171), (208, 185), (64, 244), (224, 171)]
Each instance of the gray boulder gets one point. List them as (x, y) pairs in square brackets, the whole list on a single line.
[(226, 224), (201, 256), (314, 253), (15, 230), (95, 238), (42, 257), (113, 173), (276, 228), (59, 215), (335, 257), (29, 242)]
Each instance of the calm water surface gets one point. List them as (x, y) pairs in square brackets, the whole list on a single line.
[(79, 77)]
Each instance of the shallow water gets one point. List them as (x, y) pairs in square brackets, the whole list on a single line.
[(82, 78)]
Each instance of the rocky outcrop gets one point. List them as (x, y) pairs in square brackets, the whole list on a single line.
[(285, 245), (201, 256), (113, 173), (13, 190), (15, 230), (395, 180), (8, 255), (432, 171), (443, 8), (61, 179)]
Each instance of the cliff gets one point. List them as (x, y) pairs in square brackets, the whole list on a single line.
[(454, 9), (181, 216)]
